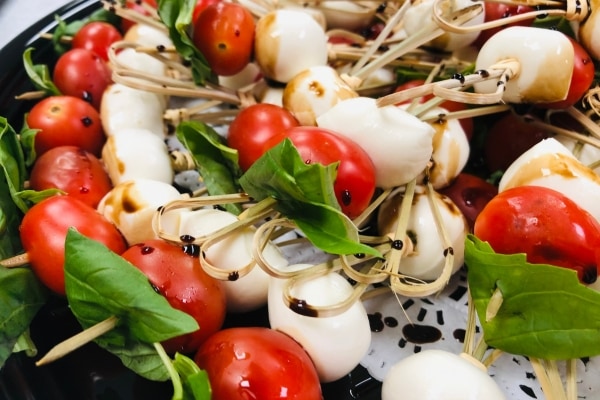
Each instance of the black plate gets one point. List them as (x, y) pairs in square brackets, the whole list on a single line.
[(90, 372)]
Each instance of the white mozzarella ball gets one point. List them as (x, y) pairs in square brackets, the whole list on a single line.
[(248, 75), (546, 64), (123, 107), (420, 13), (142, 62), (131, 206), (427, 259), (269, 94), (438, 374), (586, 153), (335, 344), (313, 92), (399, 144), (250, 291), (137, 154), (552, 165), (287, 42), (149, 36), (348, 15), (451, 150), (589, 31)]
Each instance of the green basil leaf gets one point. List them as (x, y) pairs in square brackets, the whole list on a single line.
[(177, 16), (39, 74), (34, 196), (546, 312), (101, 284), (196, 384), (12, 162), (21, 296), (216, 163), (304, 193)]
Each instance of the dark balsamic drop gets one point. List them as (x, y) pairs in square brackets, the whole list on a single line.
[(528, 391), (421, 334), (390, 321), (303, 308), (376, 322)]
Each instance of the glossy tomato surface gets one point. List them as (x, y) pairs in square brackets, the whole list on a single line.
[(96, 36), (82, 73), (355, 181), (44, 229), (257, 128), (258, 363), (545, 225), (175, 273), (74, 171), (66, 121), (224, 33)]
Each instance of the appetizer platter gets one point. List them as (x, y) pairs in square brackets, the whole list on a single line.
[(384, 192)]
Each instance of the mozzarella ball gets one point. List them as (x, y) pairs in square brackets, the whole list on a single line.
[(438, 374), (131, 206), (336, 344), (137, 154), (546, 64), (287, 42)]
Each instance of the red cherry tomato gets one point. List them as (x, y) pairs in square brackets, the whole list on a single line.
[(450, 106), (507, 139), (74, 171), (201, 6), (66, 121), (546, 225), (495, 11), (254, 127), (224, 34), (82, 73), (581, 80), (44, 228), (96, 36), (355, 181), (257, 363), (175, 272), (470, 193)]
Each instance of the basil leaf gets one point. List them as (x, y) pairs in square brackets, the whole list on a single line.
[(216, 163), (12, 162), (177, 16), (22, 296), (101, 284), (39, 74), (546, 312), (304, 193), (196, 384)]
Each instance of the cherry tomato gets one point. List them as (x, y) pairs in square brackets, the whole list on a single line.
[(449, 105), (44, 228), (96, 36), (175, 272), (254, 127), (74, 171), (82, 73), (495, 11), (355, 181), (66, 121), (508, 138), (201, 6), (224, 33), (257, 363), (581, 80), (470, 193), (545, 225)]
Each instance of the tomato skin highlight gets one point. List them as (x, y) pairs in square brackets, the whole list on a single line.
[(253, 130), (82, 73), (73, 170), (257, 363), (545, 225), (44, 228), (355, 181), (66, 121), (96, 36), (224, 34), (175, 272)]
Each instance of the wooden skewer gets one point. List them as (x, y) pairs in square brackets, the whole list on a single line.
[(75, 342)]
